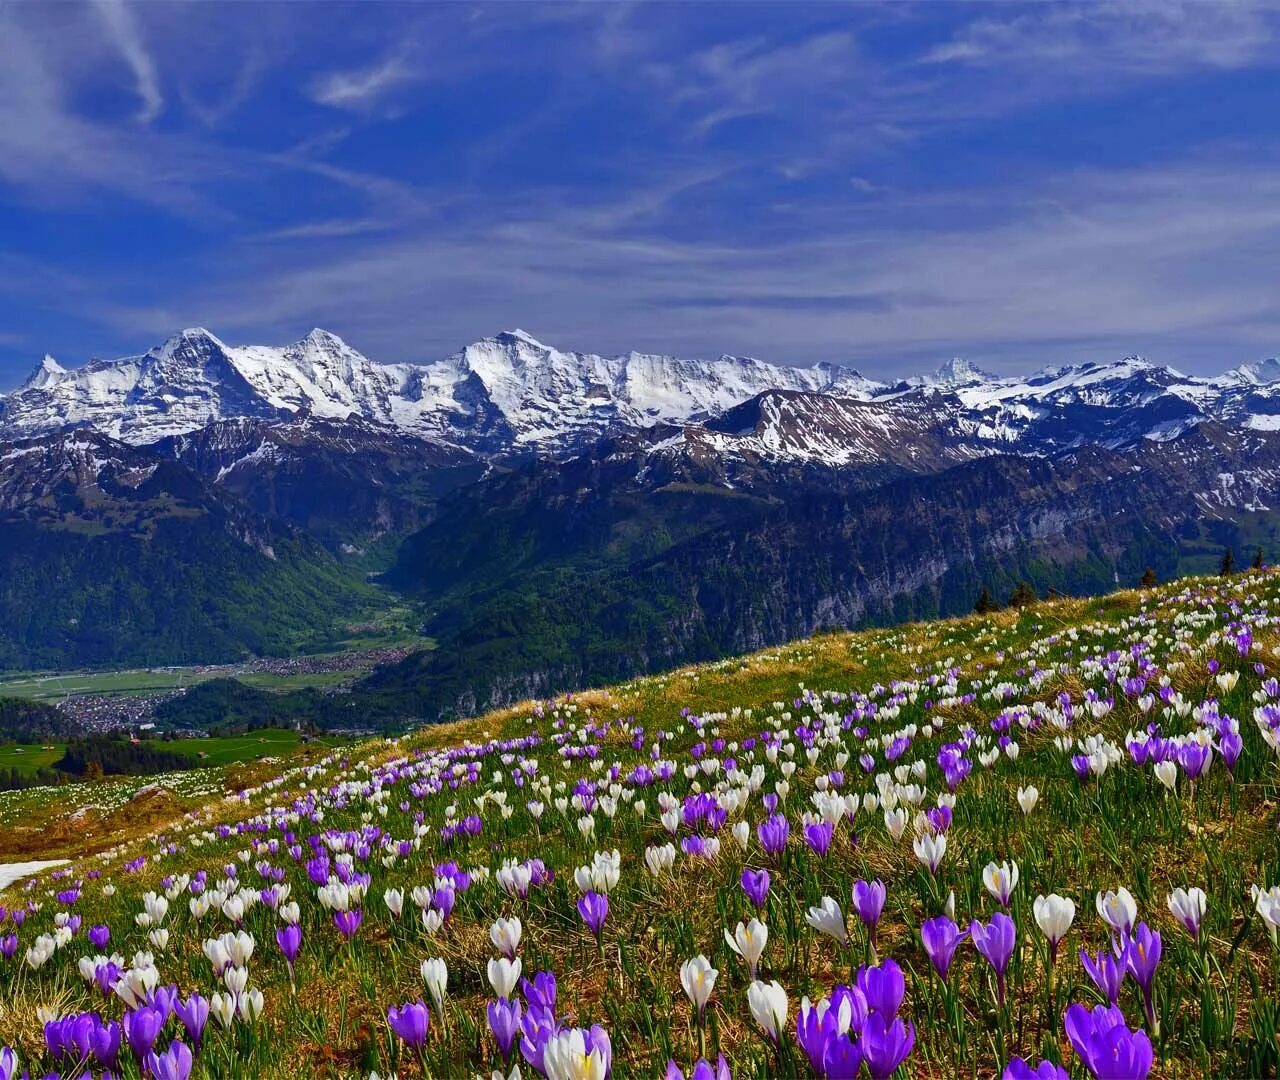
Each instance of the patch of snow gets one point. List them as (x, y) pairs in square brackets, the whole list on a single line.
[(18, 871)]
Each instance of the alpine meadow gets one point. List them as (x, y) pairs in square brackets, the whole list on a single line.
[(838, 638)]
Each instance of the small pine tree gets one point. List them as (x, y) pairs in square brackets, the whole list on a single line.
[(1228, 563), (1023, 595), (1257, 558), (986, 603), (1149, 579)]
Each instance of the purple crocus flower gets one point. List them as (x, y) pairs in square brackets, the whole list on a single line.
[(773, 833), (8, 946), (106, 976), (194, 1014), (289, 938), (818, 1027), (1017, 1069), (841, 1058), (348, 922), (1230, 746), (884, 987), (1194, 758), (868, 900), (410, 1022), (594, 908), (141, 1029), (504, 1022), (107, 1038), (703, 1070), (173, 1064), (886, 1045), (443, 900), (540, 993), (1109, 1050), (1141, 955), (995, 941), (939, 818), (940, 937), (99, 936), (69, 1039), (537, 1027), (755, 883), (164, 998), (1107, 973), (817, 834)]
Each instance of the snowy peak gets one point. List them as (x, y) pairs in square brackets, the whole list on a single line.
[(958, 372), (513, 393), (916, 432), (1263, 373), (47, 371), (519, 337)]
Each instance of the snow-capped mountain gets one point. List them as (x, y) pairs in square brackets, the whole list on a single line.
[(503, 392), (952, 375), (918, 432), (511, 393)]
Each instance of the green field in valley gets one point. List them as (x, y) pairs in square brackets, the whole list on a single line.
[(234, 748), (27, 758), (51, 687)]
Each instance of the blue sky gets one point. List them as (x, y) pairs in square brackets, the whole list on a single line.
[(884, 185)]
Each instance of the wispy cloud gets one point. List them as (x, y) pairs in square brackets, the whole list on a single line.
[(1163, 261), (753, 76), (365, 88), (215, 111), (1132, 37), (332, 228), (119, 23)]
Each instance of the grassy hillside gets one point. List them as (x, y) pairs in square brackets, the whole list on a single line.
[(189, 592), (908, 743)]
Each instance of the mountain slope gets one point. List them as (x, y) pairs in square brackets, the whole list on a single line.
[(350, 483), (917, 546), (111, 554)]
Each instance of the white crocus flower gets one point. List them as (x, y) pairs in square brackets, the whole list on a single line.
[(768, 1004), (505, 935), (1118, 909), (435, 974), (828, 919), (749, 941), (565, 1057), (503, 975), (1054, 915), (1000, 881), (1188, 907), (930, 848), (698, 978)]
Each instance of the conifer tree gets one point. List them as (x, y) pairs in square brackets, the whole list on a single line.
[(1149, 579), (1257, 558), (986, 604), (1023, 595), (1228, 563)]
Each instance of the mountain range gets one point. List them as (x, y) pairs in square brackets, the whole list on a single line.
[(510, 394), (561, 518)]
